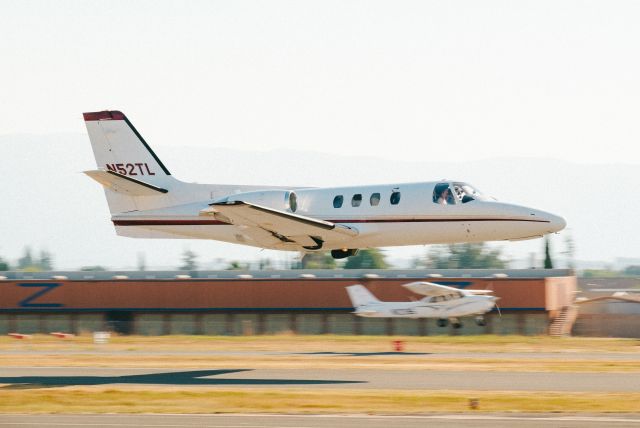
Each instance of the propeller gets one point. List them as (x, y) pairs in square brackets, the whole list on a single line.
[(495, 301)]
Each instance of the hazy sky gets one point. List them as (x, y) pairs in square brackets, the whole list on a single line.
[(420, 81), (398, 79)]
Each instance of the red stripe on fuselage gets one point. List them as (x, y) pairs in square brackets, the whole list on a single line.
[(218, 223), (168, 222)]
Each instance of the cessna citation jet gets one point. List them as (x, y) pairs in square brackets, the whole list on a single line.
[(441, 302), (147, 202)]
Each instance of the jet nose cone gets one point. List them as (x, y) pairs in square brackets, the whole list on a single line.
[(556, 223), (551, 223)]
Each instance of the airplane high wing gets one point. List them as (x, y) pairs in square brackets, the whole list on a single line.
[(268, 225), (430, 289)]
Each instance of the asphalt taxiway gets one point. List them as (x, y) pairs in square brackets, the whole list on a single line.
[(35, 377)]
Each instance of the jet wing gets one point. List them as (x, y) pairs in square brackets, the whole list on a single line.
[(430, 289), (289, 230)]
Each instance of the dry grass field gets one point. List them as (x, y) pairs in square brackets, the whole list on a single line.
[(443, 353)]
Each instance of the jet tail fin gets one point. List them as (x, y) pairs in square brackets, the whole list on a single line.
[(128, 164), (360, 296)]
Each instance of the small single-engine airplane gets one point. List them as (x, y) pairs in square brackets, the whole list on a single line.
[(147, 202), (442, 302)]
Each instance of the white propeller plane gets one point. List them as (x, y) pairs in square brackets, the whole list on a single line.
[(147, 202), (442, 302)]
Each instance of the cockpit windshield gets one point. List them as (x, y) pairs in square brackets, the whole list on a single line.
[(456, 193), (467, 193)]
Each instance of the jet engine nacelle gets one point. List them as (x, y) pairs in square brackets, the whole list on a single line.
[(284, 200)]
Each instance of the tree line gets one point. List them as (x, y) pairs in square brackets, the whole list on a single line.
[(30, 262)]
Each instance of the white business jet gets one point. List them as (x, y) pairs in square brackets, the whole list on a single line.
[(147, 202), (442, 302)]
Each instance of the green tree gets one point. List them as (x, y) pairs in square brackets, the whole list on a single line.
[(465, 256), (371, 258), (189, 261), (317, 261), (265, 264), (26, 261), (569, 250), (633, 270), (4, 265), (548, 263), (236, 265), (44, 261)]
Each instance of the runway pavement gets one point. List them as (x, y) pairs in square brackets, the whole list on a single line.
[(320, 421), (36, 377)]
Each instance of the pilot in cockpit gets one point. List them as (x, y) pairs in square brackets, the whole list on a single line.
[(444, 196)]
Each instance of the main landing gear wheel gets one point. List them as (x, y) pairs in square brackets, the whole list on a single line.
[(481, 321), (456, 324), (442, 322)]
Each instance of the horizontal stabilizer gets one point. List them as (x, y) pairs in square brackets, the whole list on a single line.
[(123, 184)]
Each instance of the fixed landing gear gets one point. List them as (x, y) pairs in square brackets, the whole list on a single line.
[(480, 321), (443, 322), (341, 254)]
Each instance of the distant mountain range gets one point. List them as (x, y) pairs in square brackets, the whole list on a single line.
[(47, 203)]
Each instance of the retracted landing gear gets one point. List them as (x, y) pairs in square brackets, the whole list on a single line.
[(341, 254)]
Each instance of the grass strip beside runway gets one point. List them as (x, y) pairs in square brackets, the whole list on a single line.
[(336, 343), (92, 400)]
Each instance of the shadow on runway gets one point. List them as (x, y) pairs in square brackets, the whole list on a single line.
[(363, 354), (194, 377)]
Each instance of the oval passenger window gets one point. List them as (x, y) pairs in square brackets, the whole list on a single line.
[(395, 198), (293, 202), (337, 201)]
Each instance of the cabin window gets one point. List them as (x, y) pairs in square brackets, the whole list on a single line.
[(443, 195), (337, 201), (374, 200), (293, 202), (395, 197), (356, 200)]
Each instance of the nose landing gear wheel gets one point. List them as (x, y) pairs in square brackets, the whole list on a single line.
[(481, 321), (442, 322)]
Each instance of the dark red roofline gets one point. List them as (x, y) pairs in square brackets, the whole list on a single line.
[(104, 115)]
